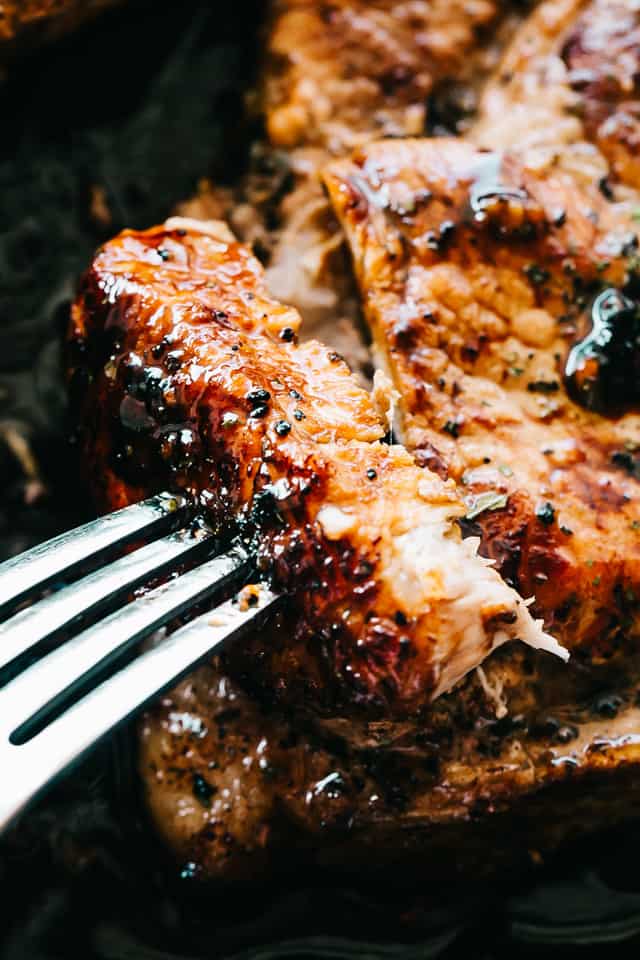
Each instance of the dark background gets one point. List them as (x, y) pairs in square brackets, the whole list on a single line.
[(141, 104)]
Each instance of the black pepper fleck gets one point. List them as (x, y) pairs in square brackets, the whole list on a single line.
[(282, 428), (546, 513), (258, 396), (565, 734), (537, 275), (608, 705), (543, 386), (202, 790)]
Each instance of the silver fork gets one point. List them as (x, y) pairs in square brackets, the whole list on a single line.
[(57, 700)]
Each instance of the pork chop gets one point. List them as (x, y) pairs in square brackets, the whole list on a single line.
[(199, 383), (478, 272)]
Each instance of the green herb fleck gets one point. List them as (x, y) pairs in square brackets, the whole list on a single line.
[(486, 501)]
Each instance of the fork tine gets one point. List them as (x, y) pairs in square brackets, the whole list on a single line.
[(36, 568), (30, 627), (84, 658), (71, 735)]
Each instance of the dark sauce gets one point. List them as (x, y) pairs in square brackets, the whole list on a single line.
[(602, 372), (507, 210)]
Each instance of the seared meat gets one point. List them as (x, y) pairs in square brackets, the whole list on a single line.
[(337, 74), (197, 383), (31, 21), (478, 272), (571, 76)]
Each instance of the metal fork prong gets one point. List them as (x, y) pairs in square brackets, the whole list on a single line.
[(56, 677), (30, 627), (38, 762), (36, 568)]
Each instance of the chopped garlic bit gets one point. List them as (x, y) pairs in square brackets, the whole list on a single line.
[(335, 522)]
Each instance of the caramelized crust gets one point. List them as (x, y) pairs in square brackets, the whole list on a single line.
[(477, 274), (194, 380), (571, 76)]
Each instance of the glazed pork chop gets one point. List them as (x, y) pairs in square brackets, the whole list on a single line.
[(479, 272), (199, 384)]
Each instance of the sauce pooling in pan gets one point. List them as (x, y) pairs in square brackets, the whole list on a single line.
[(602, 371)]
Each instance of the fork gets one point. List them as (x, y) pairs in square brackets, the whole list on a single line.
[(71, 669)]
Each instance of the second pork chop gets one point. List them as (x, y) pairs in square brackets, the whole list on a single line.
[(478, 272)]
